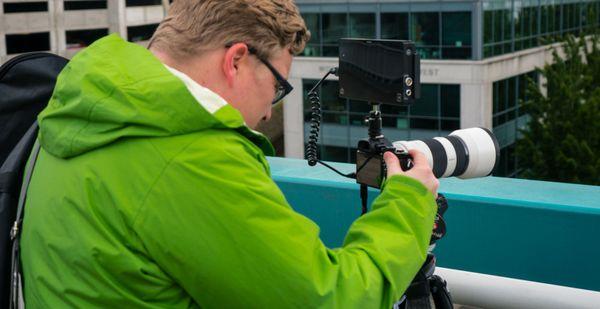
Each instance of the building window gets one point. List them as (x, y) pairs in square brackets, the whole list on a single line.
[(508, 94), (24, 7), (313, 23), (23, 43), (142, 2), (426, 35), (549, 20), (84, 38), (437, 35), (362, 25), (437, 113), (533, 22), (526, 24), (394, 26), (425, 112), (456, 35), (450, 107), (334, 28), (140, 33), (497, 28), (74, 5)]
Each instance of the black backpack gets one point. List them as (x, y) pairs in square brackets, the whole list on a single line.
[(26, 85)]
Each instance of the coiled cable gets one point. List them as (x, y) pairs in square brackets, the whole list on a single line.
[(315, 120), (315, 125)]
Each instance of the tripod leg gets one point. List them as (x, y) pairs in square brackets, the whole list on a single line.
[(441, 296)]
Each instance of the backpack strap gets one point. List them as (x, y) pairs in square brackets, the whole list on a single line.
[(16, 286)]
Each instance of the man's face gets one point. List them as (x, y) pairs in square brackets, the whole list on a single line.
[(255, 85)]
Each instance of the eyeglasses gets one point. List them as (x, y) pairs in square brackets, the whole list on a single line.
[(282, 87)]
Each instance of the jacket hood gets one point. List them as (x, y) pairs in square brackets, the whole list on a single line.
[(115, 89)]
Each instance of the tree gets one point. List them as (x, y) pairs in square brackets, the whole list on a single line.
[(561, 142)]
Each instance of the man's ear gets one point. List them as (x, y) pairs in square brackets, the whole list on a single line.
[(234, 55)]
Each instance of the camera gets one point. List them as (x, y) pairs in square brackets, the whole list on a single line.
[(388, 72), (466, 153)]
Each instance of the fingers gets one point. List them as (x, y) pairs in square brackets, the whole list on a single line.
[(418, 157), (422, 171), (392, 163)]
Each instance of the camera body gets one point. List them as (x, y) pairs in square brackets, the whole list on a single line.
[(371, 168)]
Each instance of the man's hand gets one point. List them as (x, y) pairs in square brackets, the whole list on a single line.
[(420, 171)]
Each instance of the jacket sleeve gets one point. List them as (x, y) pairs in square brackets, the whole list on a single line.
[(220, 227)]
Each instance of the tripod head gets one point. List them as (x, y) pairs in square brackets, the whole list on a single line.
[(370, 167)]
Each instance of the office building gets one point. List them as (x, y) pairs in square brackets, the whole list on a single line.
[(65, 27), (477, 57)]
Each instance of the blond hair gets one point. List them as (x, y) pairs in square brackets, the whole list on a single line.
[(192, 26)]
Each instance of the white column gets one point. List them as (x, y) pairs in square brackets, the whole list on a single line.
[(166, 4), (476, 105), (117, 21), (52, 29), (56, 10), (293, 122), (2, 34), (57, 27)]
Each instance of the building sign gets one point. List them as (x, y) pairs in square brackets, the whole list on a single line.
[(430, 72)]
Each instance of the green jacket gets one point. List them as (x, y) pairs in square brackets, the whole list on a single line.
[(150, 192)]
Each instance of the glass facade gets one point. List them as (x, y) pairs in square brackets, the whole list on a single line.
[(456, 35), (445, 30), (436, 113), (515, 25), (328, 28), (508, 94), (437, 34)]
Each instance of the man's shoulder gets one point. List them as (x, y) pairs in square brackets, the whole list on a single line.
[(212, 145)]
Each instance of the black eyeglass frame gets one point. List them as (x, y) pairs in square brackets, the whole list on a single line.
[(283, 85)]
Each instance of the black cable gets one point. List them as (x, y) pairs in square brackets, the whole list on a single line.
[(364, 195), (364, 164), (315, 121), (350, 175), (315, 125)]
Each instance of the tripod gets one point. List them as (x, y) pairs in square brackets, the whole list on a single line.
[(425, 283), (370, 168)]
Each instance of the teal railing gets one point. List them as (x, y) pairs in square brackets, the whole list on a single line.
[(532, 230)]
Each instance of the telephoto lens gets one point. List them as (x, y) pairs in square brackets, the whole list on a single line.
[(466, 153)]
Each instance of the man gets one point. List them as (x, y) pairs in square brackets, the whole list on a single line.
[(152, 191)]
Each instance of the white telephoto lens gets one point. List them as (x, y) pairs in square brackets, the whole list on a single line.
[(483, 151), (450, 154), (418, 145), (465, 153)]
